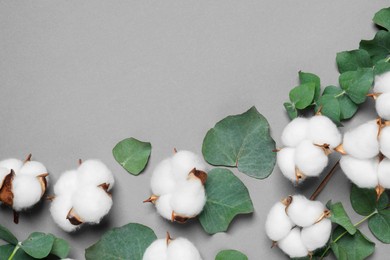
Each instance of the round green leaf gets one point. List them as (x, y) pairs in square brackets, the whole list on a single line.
[(379, 47), (7, 236), (357, 83), (330, 107), (347, 107), (38, 245), (382, 18), (340, 216), (60, 248), (127, 242), (302, 96), (306, 77), (379, 225), (132, 154), (231, 255), (381, 67), (227, 197), (242, 141), (6, 251), (291, 110), (363, 200), (353, 60)]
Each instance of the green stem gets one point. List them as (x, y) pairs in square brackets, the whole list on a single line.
[(339, 95), (14, 252), (345, 232)]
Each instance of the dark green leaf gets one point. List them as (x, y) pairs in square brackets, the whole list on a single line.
[(357, 84), (291, 110), (306, 77), (127, 242), (363, 200), (379, 47), (227, 197), (353, 60), (381, 67), (340, 216), (242, 141), (347, 108), (302, 96), (7, 236), (38, 245), (132, 154), (6, 251), (231, 255), (382, 18), (330, 107), (383, 201), (60, 248), (379, 225)]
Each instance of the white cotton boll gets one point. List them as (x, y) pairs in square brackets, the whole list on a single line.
[(362, 142), (382, 83), (157, 250), (12, 164), (292, 244), (323, 131), (181, 248), (96, 173), (382, 105), (184, 161), (33, 168), (3, 172), (91, 203), (384, 141), (384, 173), (310, 159), (189, 198), (295, 132), (27, 191), (278, 224), (361, 172), (316, 236), (59, 210), (304, 212), (163, 206), (67, 183), (163, 181), (286, 162)]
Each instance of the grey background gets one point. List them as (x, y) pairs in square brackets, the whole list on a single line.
[(76, 77)]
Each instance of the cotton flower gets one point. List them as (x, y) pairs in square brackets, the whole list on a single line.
[(382, 105), (382, 83)]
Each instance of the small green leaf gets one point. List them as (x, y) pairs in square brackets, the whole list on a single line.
[(382, 18), (38, 245), (347, 108), (353, 60), (381, 67), (363, 200), (356, 247), (7, 236), (231, 255), (242, 141), (383, 201), (6, 251), (302, 96), (127, 242), (357, 84), (227, 197), (379, 225), (330, 107), (379, 47), (60, 248), (132, 154), (291, 110), (306, 77), (340, 216)]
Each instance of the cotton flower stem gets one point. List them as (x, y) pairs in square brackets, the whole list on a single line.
[(28, 158), (16, 217), (325, 181), (14, 252)]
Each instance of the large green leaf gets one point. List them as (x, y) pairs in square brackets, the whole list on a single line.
[(347, 108), (381, 67), (6, 251), (227, 197), (60, 248), (38, 245), (7, 236), (306, 77), (379, 225), (364, 201), (302, 96), (231, 255), (132, 154), (382, 18), (353, 60), (340, 216), (242, 141), (379, 47), (127, 242), (357, 84), (330, 107), (291, 110), (351, 247)]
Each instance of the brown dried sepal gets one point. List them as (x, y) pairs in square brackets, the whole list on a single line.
[(340, 149), (325, 214), (287, 202), (299, 175), (105, 187), (6, 195), (374, 95), (151, 199), (73, 218), (325, 148), (379, 190), (179, 219), (42, 180), (168, 238), (201, 175)]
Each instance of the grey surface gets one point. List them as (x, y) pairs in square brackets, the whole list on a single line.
[(76, 77)]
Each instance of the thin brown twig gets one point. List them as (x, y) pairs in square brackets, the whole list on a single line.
[(325, 181)]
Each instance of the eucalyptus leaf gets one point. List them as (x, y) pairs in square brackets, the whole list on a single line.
[(382, 18), (60, 248), (363, 200), (6, 251), (329, 107), (132, 154), (340, 216), (302, 96), (306, 77), (353, 60), (231, 255), (347, 107), (357, 84), (379, 47), (242, 141), (127, 242), (379, 225), (227, 197), (381, 67), (38, 245), (7, 236), (291, 110)]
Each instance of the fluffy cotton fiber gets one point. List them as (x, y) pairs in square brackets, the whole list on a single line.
[(384, 173), (292, 244), (304, 212), (295, 132), (317, 235), (310, 159), (323, 131), (361, 172), (382, 83), (286, 162), (384, 141), (59, 210), (382, 105), (278, 224)]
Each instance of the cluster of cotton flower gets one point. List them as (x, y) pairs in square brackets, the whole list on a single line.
[(307, 143), (22, 183), (172, 249), (82, 195), (177, 185), (382, 95), (298, 226)]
